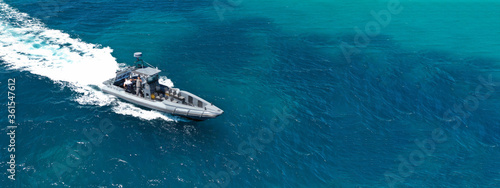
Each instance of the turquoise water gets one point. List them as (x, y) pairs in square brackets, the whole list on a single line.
[(414, 105)]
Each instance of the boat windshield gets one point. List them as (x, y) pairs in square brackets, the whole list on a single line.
[(153, 78)]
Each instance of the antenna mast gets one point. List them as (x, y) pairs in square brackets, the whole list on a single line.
[(138, 55)]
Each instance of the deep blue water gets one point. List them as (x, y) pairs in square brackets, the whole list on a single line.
[(298, 113)]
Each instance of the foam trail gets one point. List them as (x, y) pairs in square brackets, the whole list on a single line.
[(165, 81), (27, 44)]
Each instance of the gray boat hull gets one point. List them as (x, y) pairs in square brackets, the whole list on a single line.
[(209, 111)]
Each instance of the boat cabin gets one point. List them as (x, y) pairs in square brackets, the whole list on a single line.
[(149, 77)]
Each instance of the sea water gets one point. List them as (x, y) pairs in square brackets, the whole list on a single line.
[(316, 93)]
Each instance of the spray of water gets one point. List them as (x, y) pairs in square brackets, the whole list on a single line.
[(26, 44)]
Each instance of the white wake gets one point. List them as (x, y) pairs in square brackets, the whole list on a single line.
[(26, 44)]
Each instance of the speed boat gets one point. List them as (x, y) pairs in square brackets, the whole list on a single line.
[(139, 84)]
